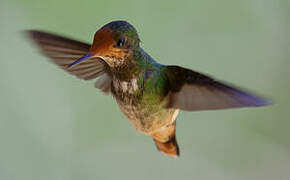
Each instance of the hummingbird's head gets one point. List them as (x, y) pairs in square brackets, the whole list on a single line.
[(113, 43), (115, 38)]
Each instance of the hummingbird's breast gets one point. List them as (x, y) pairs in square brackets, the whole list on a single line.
[(142, 105)]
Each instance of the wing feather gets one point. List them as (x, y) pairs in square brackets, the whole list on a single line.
[(193, 91), (63, 51)]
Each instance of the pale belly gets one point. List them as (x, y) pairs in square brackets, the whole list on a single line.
[(146, 117)]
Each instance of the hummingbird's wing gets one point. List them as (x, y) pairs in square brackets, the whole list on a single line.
[(63, 51), (192, 91)]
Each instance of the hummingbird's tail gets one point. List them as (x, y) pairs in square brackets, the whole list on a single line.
[(165, 141), (169, 148)]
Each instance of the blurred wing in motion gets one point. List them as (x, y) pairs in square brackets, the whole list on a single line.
[(63, 52), (193, 91)]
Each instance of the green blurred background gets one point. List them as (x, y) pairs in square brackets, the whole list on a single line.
[(54, 126)]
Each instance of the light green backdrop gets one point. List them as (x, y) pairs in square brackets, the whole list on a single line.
[(54, 126)]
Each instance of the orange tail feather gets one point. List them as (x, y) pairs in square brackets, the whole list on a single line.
[(169, 148)]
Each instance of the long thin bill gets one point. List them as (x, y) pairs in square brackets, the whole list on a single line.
[(80, 59)]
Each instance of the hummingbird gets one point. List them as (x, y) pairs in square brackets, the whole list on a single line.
[(149, 94)]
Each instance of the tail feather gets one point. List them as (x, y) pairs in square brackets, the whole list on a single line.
[(169, 148)]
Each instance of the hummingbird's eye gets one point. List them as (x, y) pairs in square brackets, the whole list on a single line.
[(121, 42)]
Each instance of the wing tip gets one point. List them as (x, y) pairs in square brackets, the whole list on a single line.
[(34, 35), (260, 102), (31, 32), (246, 97)]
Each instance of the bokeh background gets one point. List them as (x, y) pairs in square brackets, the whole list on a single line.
[(54, 126)]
